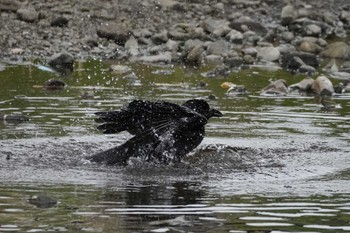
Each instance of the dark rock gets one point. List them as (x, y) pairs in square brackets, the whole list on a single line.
[(119, 33), (60, 21), (243, 24), (42, 201), (248, 59), (294, 60), (195, 55), (235, 37), (233, 62), (160, 38), (13, 117), (54, 84), (62, 62), (29, 15)]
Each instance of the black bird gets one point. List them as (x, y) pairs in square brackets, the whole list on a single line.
[(163, 131)]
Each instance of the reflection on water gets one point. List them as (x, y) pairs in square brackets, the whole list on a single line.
[(262, 148), (176, 207)]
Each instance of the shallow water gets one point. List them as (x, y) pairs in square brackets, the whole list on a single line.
[(271, 164)]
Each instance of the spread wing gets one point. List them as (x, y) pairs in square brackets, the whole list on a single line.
[(141, 116)]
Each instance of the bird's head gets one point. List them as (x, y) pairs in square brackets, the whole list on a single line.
[(202, 107)]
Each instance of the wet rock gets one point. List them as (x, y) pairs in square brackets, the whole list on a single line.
[(54, 84), (302, 86), (42, 201), (13, 117), (312, 30), (287, 15), (345, 16), (250, 37), (337, 50), (219, 47), (211, 26), (245, 23), (306, 69), (278, 87), (117, 32), (172, 46), (268, 53), (119, 69), (29, 15), (252, 51), (322, 86), (342, 87), (235, 37), (62, 62), (219, 71), (60, 21), (178, 221)]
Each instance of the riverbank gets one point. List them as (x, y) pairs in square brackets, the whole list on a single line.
[(226, 34)]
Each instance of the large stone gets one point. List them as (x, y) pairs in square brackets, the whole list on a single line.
[(62, 62), (219, 47), (268, 53), (195, 55), (117, 32), (294, 60), (210, 25), (312, 30), (309, 47), (29, 15), (337, 50), (287, 15)]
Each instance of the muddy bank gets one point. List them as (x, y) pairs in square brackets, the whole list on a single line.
[(227, 33), (250, 166)]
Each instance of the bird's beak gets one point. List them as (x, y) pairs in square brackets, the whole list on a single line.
[(215, 113)]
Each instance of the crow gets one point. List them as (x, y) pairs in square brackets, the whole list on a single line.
[(163, 132)]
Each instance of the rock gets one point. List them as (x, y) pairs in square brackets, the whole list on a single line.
[(245, 23), (322, 86), (159, 58), (221, 31), (195, 55), (287, 36), (13, 117), (60, 21), (233, 62), (248, 59), (345, 16), (337, 50), (54, 85), (235, 37), (171, 46), (306, 69), (278, 87), (252, 51), (302, 86), (293, 60), (62, 62), (160, 38), (309, 47), (132, 46), (219, 47), (219, 71), (29, 15), (214, 60), (250, 37), (268, 53), (9, 5), (312, 30), (119, 69), (117, 32), (189, 44), (210, 25), (42, 201), (287, 15)]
